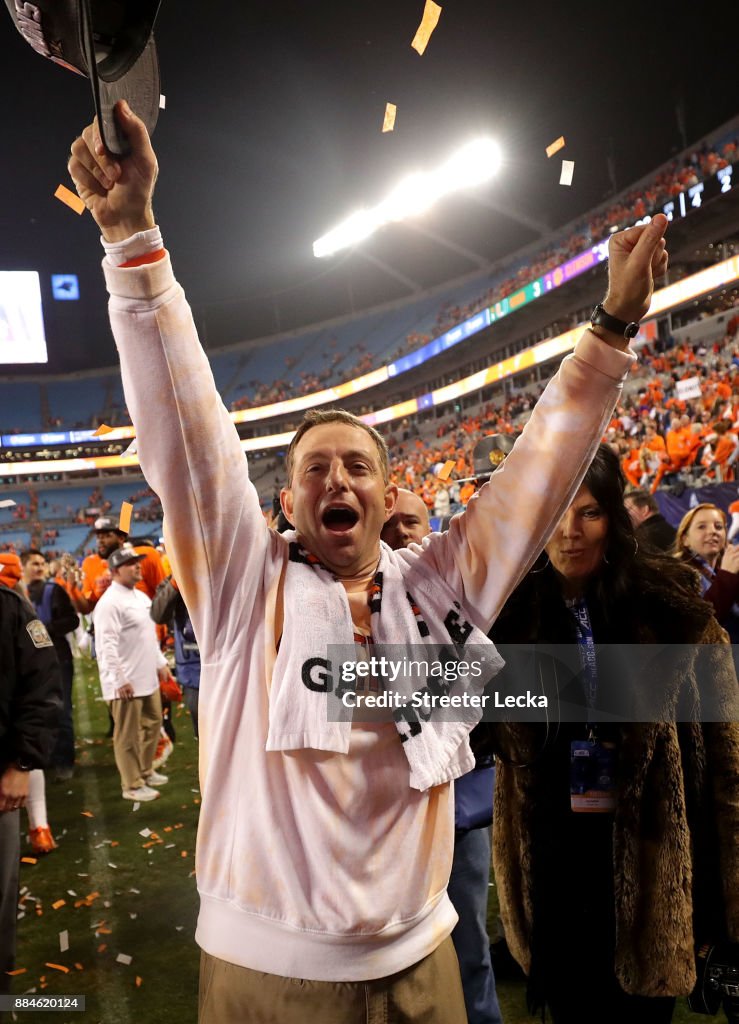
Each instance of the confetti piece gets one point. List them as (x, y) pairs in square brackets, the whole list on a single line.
[(430, 20), (58, 967), (103, 429), (28, 860), (16, 972), (568, 169), (102, 947), (7, 503), (63, 941), (114, 866), (123, 958), (162, 101), (137, 891), (70, 199), (184, 853), (114, 843), (79, 967), (135, 807), (59, 903), (88, 814), (139, 981), (556, 146), (446, 469), (71, 892), (124, 522), (389, 123), (145, 832)]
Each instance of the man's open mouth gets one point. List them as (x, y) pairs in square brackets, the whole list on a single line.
[(339, 519)]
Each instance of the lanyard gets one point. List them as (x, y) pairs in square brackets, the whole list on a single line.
[(586, 650)]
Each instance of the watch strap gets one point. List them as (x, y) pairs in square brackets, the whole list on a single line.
[(600, 318)]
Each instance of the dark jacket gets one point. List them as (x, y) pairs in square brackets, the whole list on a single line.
[(169, 609), (30, 685), (657, 533), (63, 619), (671, 847)]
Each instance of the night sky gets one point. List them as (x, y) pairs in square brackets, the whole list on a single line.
[(271, 135)]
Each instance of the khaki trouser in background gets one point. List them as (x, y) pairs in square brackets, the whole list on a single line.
[(137, 723), (430, 992)]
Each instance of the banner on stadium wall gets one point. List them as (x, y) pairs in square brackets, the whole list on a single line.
[(674, 506)]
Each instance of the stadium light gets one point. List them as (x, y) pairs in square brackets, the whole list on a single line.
[(473, 164)]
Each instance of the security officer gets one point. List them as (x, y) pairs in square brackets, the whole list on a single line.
[(30, 707)]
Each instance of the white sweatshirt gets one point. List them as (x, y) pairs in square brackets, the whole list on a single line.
[(126, 642), (310, 864)]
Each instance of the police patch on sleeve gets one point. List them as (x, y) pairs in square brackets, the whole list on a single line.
[(38, 634)]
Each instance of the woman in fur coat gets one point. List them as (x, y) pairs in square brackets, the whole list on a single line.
[(606, 887)]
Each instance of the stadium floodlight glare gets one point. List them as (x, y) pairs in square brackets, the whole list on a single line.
[(473, 164)]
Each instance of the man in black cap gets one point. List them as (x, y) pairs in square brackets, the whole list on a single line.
[(30, 705), (131, 668)]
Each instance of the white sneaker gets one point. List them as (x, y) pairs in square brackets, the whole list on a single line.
[(142, 793), (155, 779)]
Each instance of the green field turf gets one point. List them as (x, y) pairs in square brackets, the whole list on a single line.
[(146, 906)]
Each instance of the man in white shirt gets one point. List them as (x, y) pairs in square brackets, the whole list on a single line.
[(131, 667)]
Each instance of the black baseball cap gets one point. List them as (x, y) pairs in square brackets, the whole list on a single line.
[(108, 41), (123, 555), (489, 453), (104, 524)]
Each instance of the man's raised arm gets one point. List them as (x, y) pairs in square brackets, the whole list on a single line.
[(490, 547), (187, 443)]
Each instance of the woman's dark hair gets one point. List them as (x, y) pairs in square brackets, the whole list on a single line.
[(629, 569)]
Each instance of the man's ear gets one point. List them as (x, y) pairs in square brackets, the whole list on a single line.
[(391, 497), (286, 502)]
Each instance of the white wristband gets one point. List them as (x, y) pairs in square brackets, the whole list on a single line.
[(140, 244)]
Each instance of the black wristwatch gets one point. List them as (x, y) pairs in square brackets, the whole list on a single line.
[(599, 318)]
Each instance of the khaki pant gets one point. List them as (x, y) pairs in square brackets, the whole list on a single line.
[(430, 992), (136, 730)]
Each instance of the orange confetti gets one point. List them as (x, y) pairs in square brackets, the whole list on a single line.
[(139, 980), (389, 122), (105, 931), (87, 814), (58, 967), (28, 860), (115, 843), (555, 146), (167, 828), (446, 469), (59, 903), (79, 967), (102, 947), (184, 853), (124, 522), (70, 199), (16, 972), (430, 20), (103, 429)]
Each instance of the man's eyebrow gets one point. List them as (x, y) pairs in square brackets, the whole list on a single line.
[(322, 453)]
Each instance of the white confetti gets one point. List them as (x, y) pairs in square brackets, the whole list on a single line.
[(162, 101), (64, 941), (568, 170), (145, 832), (123, 958), (136, 806)]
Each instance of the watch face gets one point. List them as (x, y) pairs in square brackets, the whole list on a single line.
[(631, 331)]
